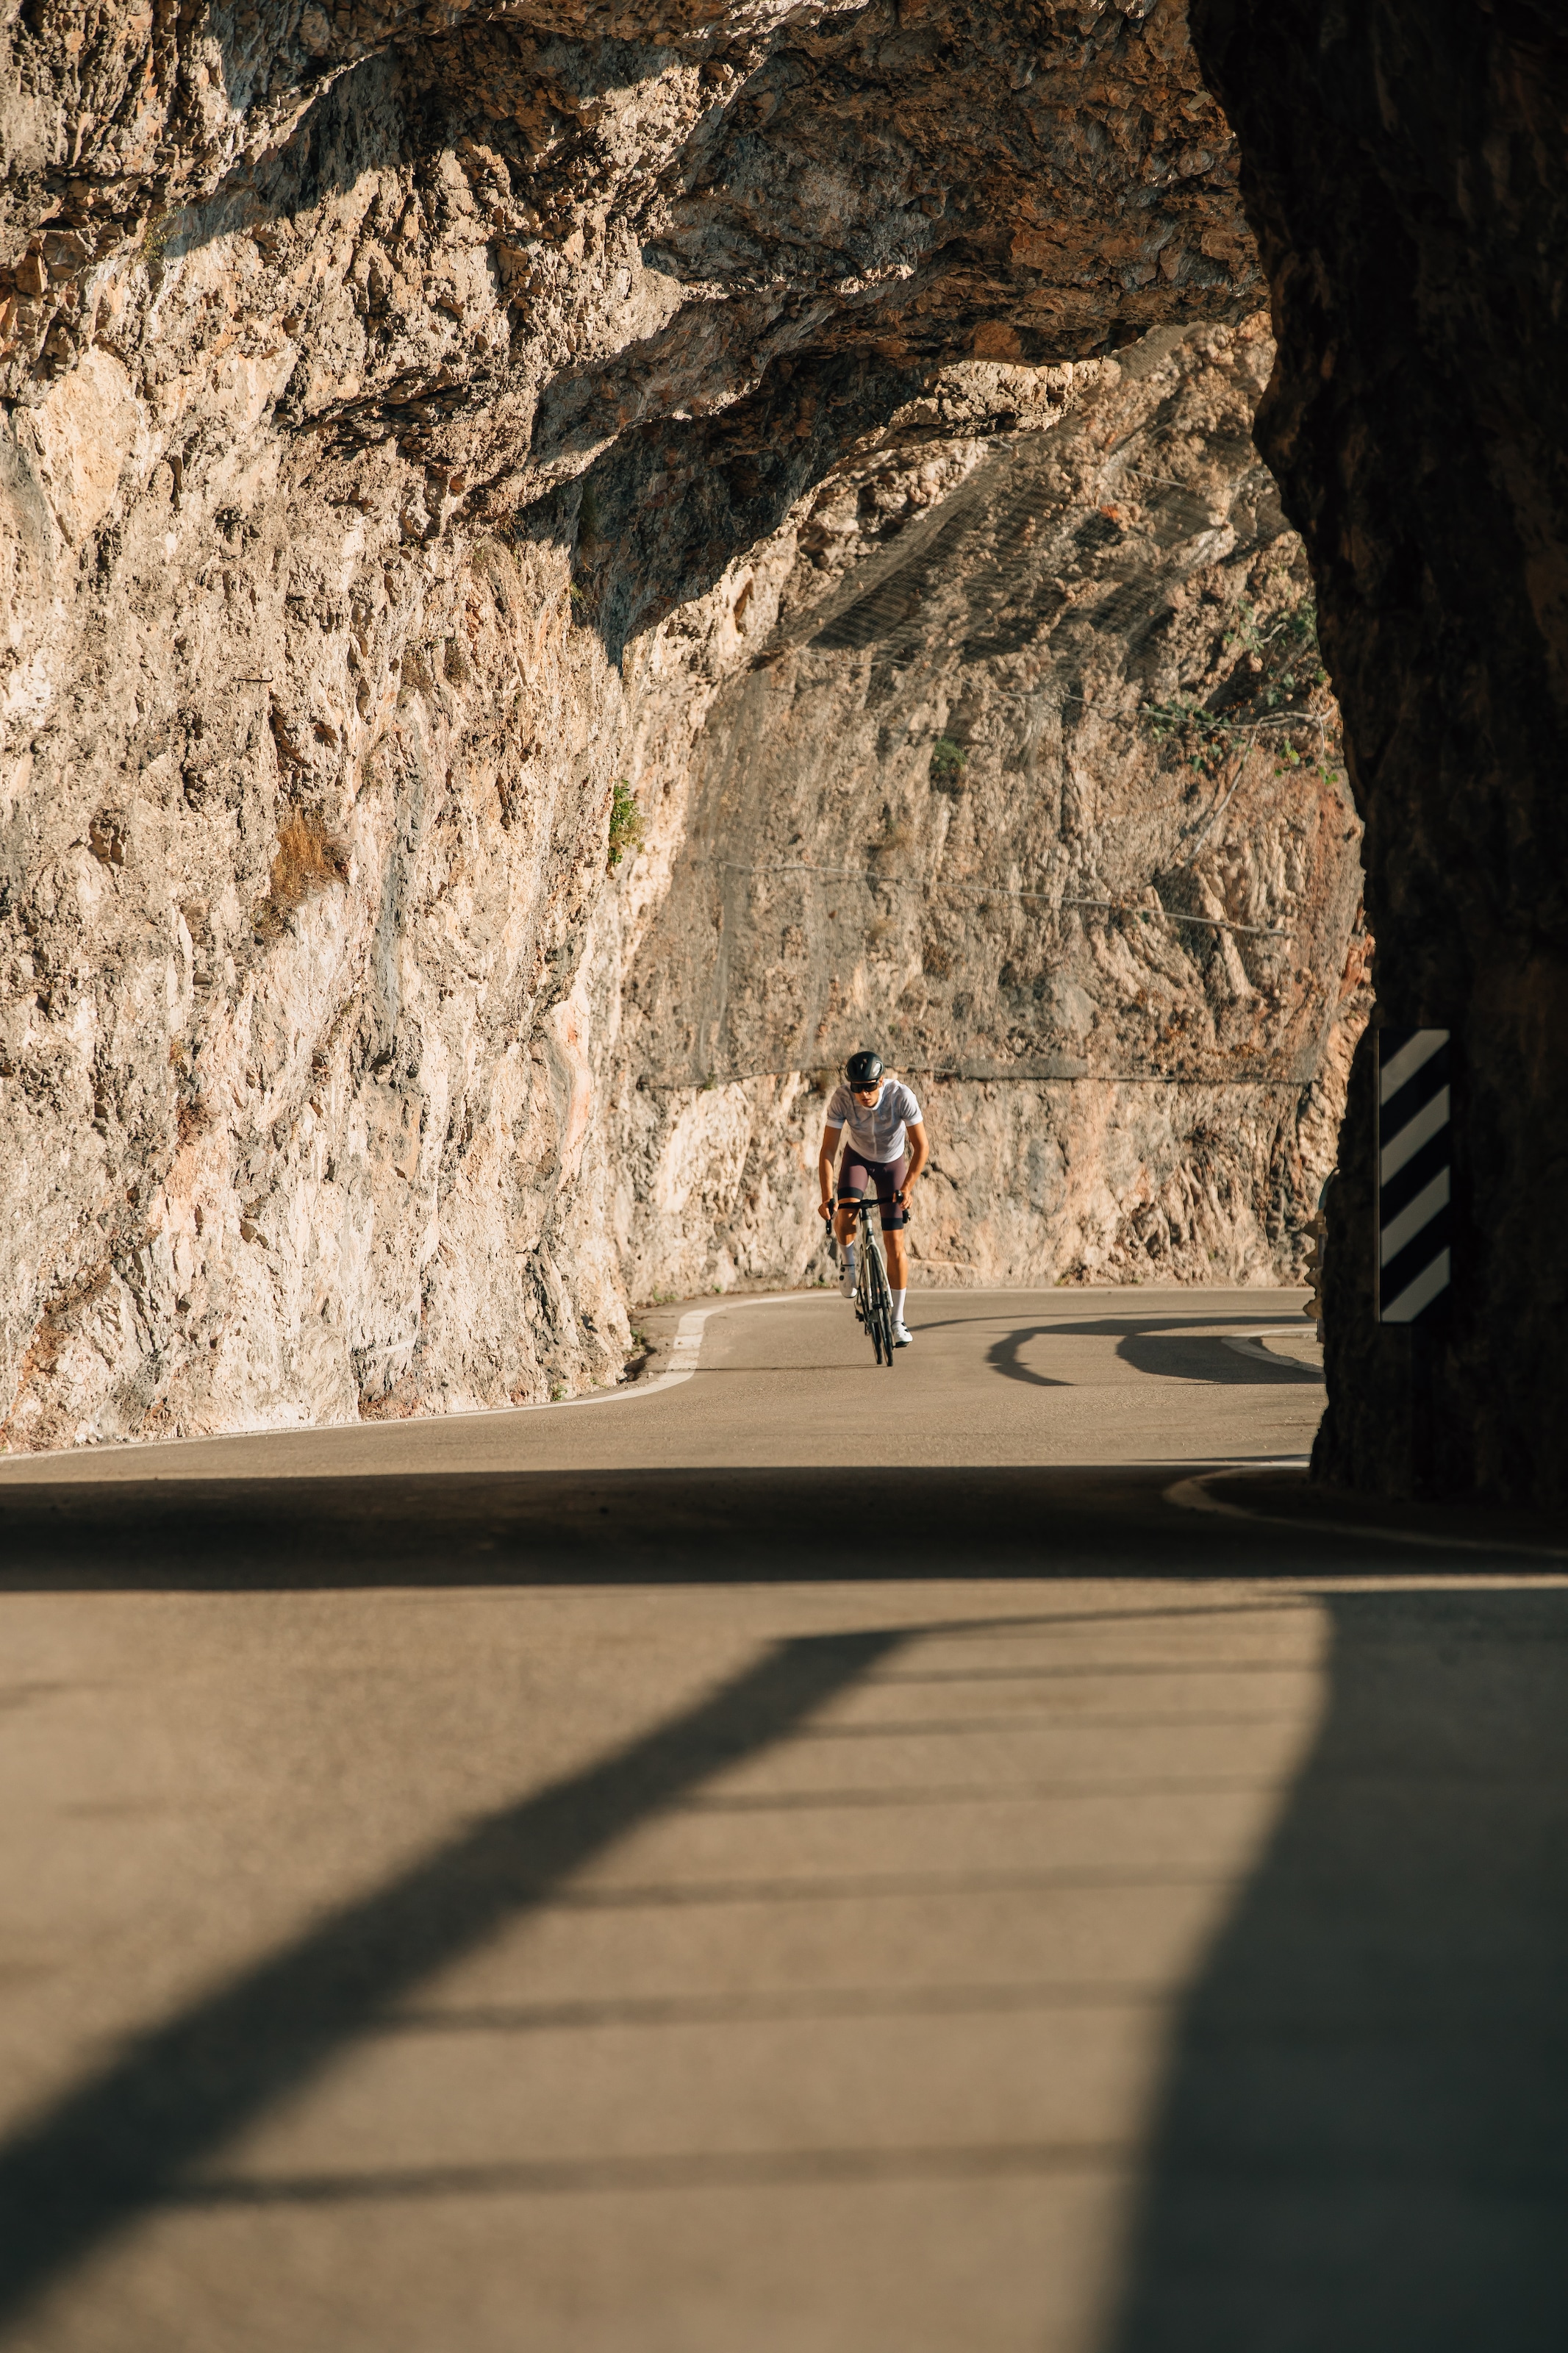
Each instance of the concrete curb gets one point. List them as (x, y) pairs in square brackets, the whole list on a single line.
[(1193, 1495), (1253, 1345)]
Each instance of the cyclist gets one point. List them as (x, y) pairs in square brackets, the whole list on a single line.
[(886, 1149)]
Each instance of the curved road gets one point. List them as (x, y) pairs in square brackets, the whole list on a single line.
[(804, 1859), (1042, 1398), (1001, 1377)]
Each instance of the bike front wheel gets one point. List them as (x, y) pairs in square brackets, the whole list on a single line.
[(880, 1310)]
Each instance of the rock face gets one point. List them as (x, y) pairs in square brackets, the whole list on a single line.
[(418, 424), (1404, 171), (951, 807)]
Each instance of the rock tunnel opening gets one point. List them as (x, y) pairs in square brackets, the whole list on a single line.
[(832, 433)]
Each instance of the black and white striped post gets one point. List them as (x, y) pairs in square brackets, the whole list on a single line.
[(1413, 1174)]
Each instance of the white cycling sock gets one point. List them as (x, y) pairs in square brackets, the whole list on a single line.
[(898, 1306), (849, 1259)]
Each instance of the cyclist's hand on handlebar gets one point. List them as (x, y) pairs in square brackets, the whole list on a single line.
[(825, 1208)]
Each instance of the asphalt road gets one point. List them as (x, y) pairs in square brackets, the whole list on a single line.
[(806, 1857)]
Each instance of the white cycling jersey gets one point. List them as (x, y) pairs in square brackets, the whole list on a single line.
[(879, 1130)]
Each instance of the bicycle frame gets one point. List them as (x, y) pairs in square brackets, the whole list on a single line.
[(873, 1294)]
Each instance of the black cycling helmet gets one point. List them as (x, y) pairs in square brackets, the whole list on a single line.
[(864, 1070)]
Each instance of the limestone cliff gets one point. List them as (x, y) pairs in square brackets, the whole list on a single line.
[(418, 421), (1029, 781)]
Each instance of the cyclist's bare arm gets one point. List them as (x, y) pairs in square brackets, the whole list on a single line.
[(825, 1159), (919, 1153)]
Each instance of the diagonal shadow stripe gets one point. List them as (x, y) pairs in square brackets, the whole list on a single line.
[(726, 2170), (118, 2144)]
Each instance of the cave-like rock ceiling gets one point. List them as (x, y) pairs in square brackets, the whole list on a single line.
[(563, 227)]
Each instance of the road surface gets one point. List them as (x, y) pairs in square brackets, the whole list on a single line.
[(807, 1859)]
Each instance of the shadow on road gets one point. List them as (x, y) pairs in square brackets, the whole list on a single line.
[(1361, 2144), (611, 1527), (1005, 1356), (122, 2144), (1183, 1348), (1182, 1356), (1178, 1356)]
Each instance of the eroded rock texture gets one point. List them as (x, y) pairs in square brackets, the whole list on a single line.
[(939, 810), (1406, 174), (394, 401)]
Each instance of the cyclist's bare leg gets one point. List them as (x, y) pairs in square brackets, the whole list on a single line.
[(898, 1259), (844, 1216)]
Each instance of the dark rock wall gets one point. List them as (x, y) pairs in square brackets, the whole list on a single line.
[(1405, 170)]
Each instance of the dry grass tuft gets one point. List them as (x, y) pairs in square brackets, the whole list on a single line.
[(310, 858), (399, 1405)]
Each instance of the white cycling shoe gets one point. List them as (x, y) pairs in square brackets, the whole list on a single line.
[(847, 1285), (903, 1335)]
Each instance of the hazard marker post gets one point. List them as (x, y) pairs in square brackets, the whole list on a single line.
[(1414, 1176)]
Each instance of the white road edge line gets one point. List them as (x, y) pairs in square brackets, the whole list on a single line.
[(687, 1339), (1193, 1495), (685, 1349)]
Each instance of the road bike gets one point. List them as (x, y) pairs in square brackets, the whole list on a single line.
[(873, 1298)]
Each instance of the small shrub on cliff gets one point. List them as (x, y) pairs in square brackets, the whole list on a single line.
[(625, 822), (1272, 690), (155, 240), (948, 763), (1294, 633)]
